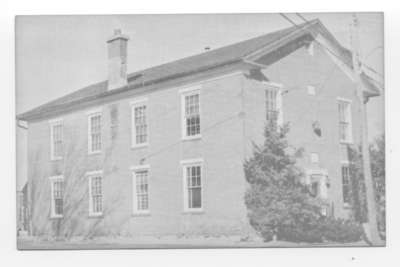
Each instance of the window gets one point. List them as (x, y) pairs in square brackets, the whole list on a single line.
[(345, 128), (346, 187), (314, 189), (141, 189), (57, 196), (139, 123), (56, 140), (273, 104), (314, 158), (311, 90), (94, 133), (318, 183), (191, 114), (192, 181), (95, 194), (344, 153)]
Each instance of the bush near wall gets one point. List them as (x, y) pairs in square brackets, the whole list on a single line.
[(280, 206)]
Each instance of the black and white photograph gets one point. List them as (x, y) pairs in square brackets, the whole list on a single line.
[(261, 130)]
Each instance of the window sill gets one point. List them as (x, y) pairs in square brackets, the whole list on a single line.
[(56, 158), (141, 214), (90, 153), (193, 137), (96, 215), (342, 142), (55, 217), (346, 206), (140, 146), (194, 211)]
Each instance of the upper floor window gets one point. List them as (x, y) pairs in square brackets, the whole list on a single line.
[(345, 127), (94, 135), (191, 114), (139, 123), (273, 104), (57, 196), (141, 189), (193, 185), (95, 193), (56, 140), (344, 153)]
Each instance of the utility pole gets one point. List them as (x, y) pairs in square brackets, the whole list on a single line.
[(371, 226)]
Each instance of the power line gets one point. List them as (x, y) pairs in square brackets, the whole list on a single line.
[(364, 64), (301, 28), (180, 141)]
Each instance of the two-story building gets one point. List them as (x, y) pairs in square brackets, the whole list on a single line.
[(160, 151)]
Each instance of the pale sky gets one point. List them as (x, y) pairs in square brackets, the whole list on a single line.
[(56, 55)]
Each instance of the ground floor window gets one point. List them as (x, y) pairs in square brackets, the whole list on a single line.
[(57, 196), (193, 186), (346, 189), (95, 194), (141, 190)]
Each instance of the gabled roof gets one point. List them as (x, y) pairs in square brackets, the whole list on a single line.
[(212, 59)]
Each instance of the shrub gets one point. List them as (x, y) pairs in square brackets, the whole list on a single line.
[(325, 229), (299, 234), (341, 231)]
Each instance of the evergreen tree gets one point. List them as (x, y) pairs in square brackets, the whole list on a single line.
[(278, 202)]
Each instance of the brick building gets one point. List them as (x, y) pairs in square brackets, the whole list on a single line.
[(160, 151)]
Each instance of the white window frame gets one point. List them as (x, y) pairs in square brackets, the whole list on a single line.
[(53, 123), (54, 179), (134, 104), (311, 90), (349, 139), (279, 102), (135, 169), (314, 158), (184, 93), (324, 175), (344, 160), (91, 114), (192, 163), (90, 176)]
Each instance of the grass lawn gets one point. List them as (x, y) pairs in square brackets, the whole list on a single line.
[(33, 244)]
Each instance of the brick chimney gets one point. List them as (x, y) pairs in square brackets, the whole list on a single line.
[(117, 60)]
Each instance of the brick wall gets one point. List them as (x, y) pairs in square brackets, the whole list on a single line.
[(221, 148), (295, 72)]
